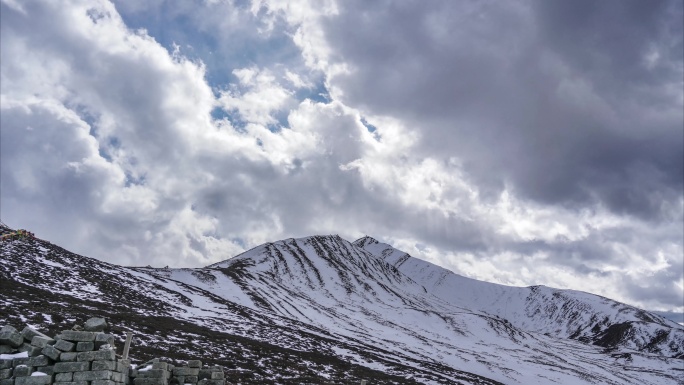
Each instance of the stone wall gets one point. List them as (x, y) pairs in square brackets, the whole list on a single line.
[(86, 355), (157, 372)]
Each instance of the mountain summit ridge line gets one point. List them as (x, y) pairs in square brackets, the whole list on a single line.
[(364, 303)]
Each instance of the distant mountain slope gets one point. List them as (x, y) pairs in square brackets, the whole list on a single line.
[(300, 311), (563, 313)]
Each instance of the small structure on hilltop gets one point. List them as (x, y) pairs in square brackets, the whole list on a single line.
[(19, 234)]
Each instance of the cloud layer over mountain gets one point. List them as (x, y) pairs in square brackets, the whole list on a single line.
[(531, 142)]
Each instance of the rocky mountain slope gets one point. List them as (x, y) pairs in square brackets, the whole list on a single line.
[(304, 311), (563, 313)]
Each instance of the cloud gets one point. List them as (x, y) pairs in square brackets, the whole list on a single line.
[(119, 115), (476, 135), (472, 76), (522, 139)]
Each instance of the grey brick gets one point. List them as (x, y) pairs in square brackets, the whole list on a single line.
[(64, 345), (5, 364), (64, 377), (5, 373), (39, 361), (205, 374), (149, 381), (51, 352), (64, 367), (211, 382), (103, 338), (35, 351), (183, 371), (94, 375), (195, 364), (103, 365), (41, 342), (28, 334), (6, 349), (46, 369), (68, 357), (8, 328), (217, 376), (118, 377), (74, 383), (191, 379), (160, 365), (153, 373), (31, 351), (22, 371), (20, 361), (101, 355), (85, 346), (95, 325), (12, 339), (35, 380), (103, 382), (9, 381), (78, 336)]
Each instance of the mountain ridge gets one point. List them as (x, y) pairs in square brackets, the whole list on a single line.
[(318, 294), (590, 330)]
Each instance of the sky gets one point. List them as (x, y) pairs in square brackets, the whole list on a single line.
[(518, 142)]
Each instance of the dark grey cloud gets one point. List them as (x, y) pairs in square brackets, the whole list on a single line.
[(556, 99), (608, 41), (661, 286)]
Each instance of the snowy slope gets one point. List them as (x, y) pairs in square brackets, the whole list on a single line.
[(329, 282), (563, 313), (333, 310), (50, 288)]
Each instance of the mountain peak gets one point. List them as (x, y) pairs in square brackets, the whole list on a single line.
[(365, 303), (365, 240)]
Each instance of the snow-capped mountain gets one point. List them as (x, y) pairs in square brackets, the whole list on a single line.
[(562, 313), (322, 308)]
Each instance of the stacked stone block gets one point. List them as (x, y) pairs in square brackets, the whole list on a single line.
[(22, 362), (98, 367), (86, 355), (28, 340), (187, 374), (156, 372), (74, 357), (37, 370), (213, 375)]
